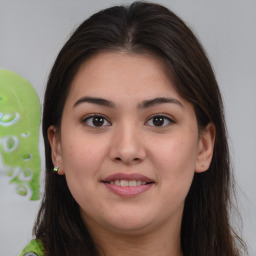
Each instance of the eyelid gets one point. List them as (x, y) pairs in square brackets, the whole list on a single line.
[(165, 116), (89, 116)]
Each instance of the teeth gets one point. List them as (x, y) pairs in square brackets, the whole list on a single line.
[(132, 183), (128, 183), (124, 183), (117, 182)]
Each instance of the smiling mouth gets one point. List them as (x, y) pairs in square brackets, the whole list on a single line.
[(128, 183)]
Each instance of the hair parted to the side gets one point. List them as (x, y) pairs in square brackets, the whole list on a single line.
[(142, 28)]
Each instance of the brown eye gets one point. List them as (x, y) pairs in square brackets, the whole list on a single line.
[(159, 121), (96, 121)]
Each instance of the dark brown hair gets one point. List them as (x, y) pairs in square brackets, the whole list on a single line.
[(142, 28)]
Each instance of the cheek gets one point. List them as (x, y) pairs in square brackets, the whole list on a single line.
[(175, 161), (82, 160), (82, 155), (178, 154)]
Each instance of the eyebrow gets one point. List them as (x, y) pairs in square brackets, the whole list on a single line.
[(95, 100), (158, 101), (111, 104)]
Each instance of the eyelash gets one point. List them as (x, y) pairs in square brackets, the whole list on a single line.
[(163, 117), (89, 119)]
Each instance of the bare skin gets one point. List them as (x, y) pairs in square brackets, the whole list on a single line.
[(129, 147)]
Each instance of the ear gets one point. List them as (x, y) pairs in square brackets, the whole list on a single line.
[(54, 139), (205, 148)]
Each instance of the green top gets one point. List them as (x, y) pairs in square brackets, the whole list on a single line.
[(34, 248)]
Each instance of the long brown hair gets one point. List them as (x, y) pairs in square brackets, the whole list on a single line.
[(142, 28)]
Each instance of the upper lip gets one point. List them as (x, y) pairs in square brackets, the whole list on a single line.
[(125, 176)]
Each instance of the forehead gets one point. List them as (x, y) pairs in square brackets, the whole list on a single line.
[(122, 73)]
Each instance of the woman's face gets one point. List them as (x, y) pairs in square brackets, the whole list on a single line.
[(128, 144)]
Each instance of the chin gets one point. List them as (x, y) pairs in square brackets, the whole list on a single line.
[(131, 224)]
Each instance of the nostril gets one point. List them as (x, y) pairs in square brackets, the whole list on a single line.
[(127, 160)]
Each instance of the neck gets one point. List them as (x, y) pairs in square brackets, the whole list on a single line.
[(140, 246), (164, 242)]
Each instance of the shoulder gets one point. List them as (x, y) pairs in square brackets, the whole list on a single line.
[(34, 248)]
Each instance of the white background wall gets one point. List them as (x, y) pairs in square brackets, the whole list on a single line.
[(33, 31)]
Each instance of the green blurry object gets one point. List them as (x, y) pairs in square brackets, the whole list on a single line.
[(19, 133)]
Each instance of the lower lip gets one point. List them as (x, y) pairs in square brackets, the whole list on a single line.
[(128, 191)]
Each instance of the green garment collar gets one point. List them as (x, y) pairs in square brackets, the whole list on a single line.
[(34, 248)]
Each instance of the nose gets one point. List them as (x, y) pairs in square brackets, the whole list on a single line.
[(127, 146)]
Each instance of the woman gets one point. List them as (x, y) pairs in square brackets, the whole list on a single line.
[(136, 151)]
